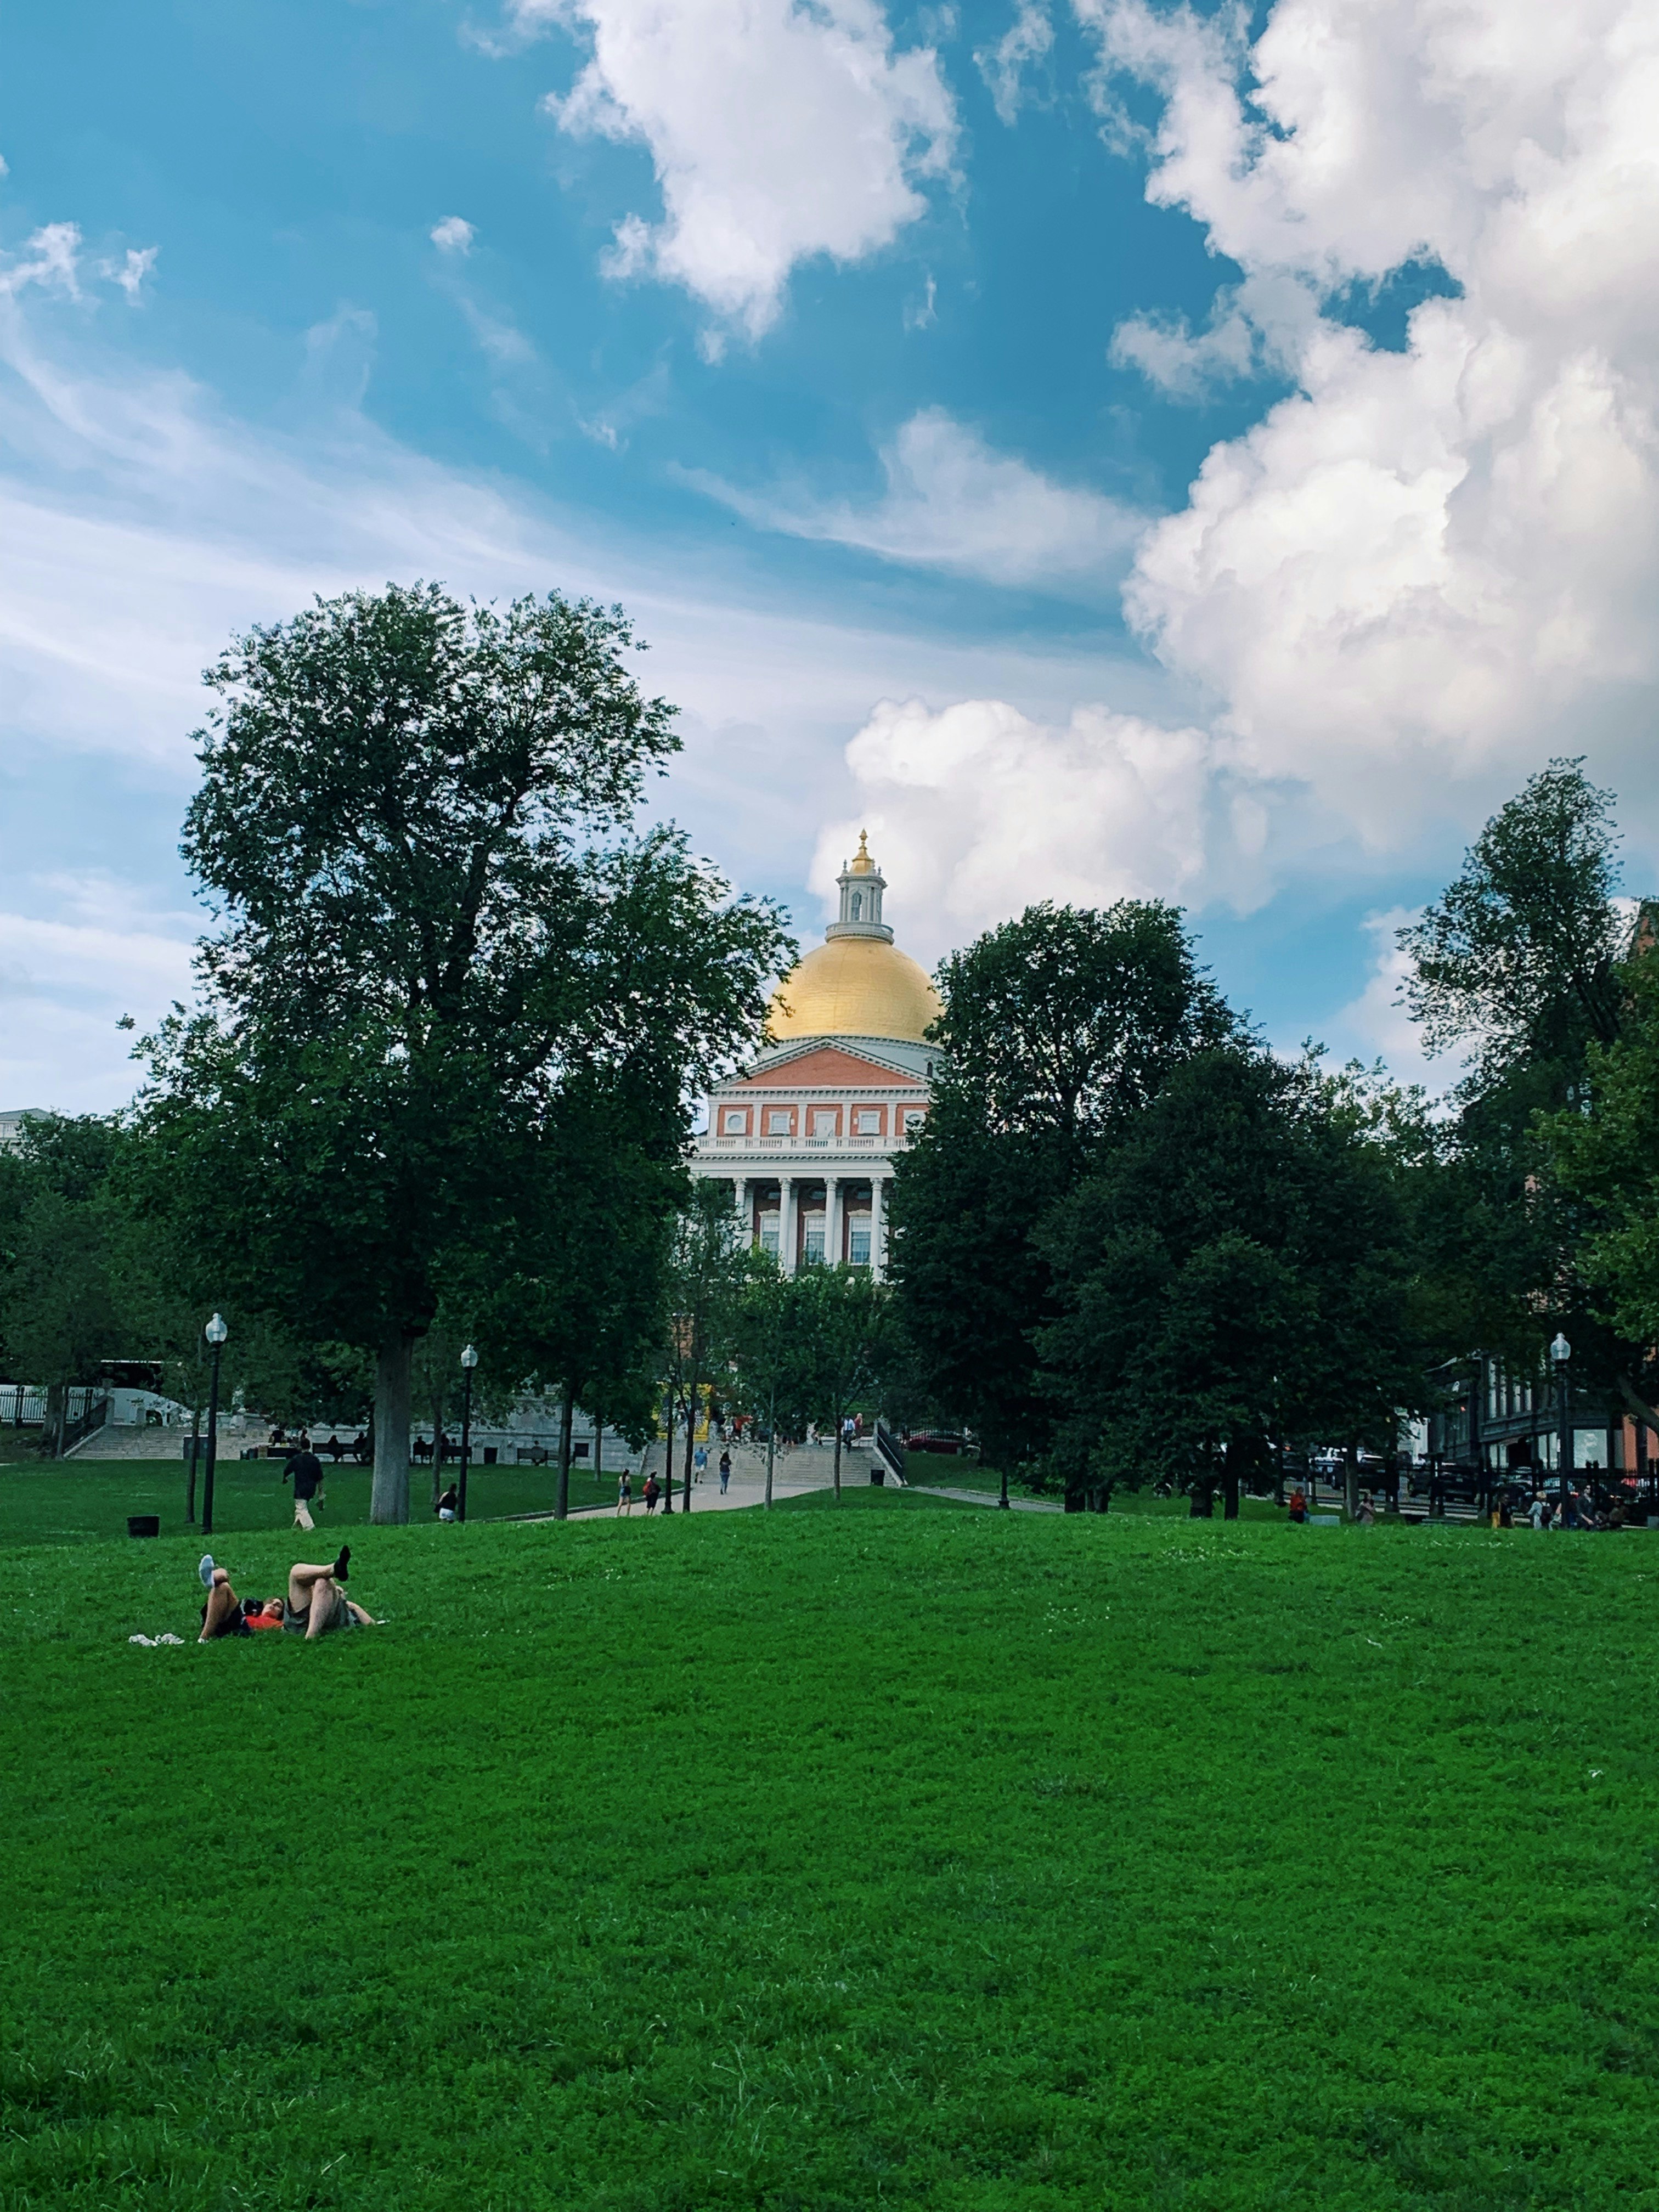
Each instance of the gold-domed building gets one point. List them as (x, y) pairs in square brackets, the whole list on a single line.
[(807, 1135)]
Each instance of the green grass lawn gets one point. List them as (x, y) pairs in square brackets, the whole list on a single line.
[(44, 1503), (914, 1855)]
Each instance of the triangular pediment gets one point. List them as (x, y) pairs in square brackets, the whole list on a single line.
[(827, 1066)]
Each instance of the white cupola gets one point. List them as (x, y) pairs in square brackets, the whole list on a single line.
[(861, 886)]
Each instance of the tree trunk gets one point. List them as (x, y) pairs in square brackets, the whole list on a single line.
[(668, 1459), (598, 1452), (1351, 1480), (562, 1492), (690, 1442), (838, 1458), (1230, 1484), (771, 1445), (394, 1382)]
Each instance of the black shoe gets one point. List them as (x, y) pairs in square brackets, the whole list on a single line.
[(342, 1565)]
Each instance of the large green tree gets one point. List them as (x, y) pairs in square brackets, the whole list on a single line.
[(1057, 1029), (1604, 1151), (1237, 1268), (1519, 966), (64, 1303), (1515, 964), (416, 820)]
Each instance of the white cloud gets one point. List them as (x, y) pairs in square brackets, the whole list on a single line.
[(130, 272), (455, 234), (141, 525), (953, 504), (778, 133), (52, 259), (979, 810), (65, 982), (1028, 38), (1374, 1025), (1426, 569)]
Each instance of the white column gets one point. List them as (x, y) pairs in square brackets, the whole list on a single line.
[(744, 1213), (788, 1236), (832, 1236), (878, 1228)]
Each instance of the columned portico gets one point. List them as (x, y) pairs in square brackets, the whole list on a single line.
[(834, 1241), (878, 1227)]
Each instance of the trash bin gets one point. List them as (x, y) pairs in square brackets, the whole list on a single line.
[(143, 1524)]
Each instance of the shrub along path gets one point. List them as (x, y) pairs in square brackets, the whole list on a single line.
[(911, 1856)]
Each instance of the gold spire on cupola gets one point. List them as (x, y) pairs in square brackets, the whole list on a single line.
[(862, 864)]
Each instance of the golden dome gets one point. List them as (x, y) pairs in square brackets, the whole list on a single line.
[(856, 987)]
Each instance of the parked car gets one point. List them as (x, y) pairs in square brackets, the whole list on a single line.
[(949, 1441)]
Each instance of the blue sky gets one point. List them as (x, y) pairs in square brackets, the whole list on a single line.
[(1109, 448)]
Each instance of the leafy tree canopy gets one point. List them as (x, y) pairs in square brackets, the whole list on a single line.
[(426, 947), (1058, 1029), (1516, 960)]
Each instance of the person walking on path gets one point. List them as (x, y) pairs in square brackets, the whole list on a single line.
[(700, 1462), (305, 1470), (624, 1493), (651, 1493), (726, 1471)]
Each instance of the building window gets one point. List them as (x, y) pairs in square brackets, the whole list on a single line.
[(858, 1239), (812, 1240), (866, 1122), (914, 1118), (734, 1121), (823, 1121), (858, 904), (777, 1121), (769, 1234)]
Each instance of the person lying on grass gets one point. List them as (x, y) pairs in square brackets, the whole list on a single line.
[(315, 1606)]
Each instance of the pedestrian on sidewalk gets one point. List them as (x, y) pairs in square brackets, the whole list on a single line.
[(625, 1493), (653, 1491), (700, 1462), (726, 1471)]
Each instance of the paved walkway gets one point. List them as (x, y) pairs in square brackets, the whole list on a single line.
[(989, 1498), (809, 1466)]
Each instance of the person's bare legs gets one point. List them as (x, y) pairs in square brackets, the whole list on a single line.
[(312, 1588), (359, 1613), (221, 1602)]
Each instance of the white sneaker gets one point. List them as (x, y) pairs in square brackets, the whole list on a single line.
[(205, 1571)]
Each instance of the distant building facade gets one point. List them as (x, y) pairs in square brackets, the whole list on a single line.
[(806, 1137)]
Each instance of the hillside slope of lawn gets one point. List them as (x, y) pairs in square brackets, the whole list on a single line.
[(810, 1861)]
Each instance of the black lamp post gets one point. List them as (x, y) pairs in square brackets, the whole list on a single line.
[(469, 1361), (1561, 1354), (216, 1333)]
